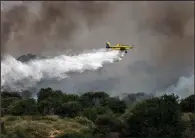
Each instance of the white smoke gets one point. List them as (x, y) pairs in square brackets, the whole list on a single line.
[(183, 88), (16, 75)]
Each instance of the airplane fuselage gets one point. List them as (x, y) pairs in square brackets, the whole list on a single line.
[(120, 47)]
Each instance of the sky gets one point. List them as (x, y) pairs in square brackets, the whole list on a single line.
[(162, 32)]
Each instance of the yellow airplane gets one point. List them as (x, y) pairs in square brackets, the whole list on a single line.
[(120, 47)]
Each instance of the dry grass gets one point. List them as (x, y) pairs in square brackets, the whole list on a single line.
[(42, 127)]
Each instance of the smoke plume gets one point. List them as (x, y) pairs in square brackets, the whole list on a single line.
[(162, 32), (36, 27)]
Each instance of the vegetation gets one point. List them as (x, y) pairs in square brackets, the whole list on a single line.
[(95, 114)]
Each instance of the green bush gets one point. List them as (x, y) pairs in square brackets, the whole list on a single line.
[(95, 115), (106, 124), (188, 104), (90, 99), (70, 109), (5, 136), (10, 94), (115, 104), (73, 135), (7, 104), (24, 107), (93, 112), (156, 117), (13, 118), (80, 135)]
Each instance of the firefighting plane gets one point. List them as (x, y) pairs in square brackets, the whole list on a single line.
[(120, 47)]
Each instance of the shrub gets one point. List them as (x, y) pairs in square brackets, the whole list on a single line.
[(31, 129), (70, 109), (115, 104), (156, 117), (106, 124), (73, 135), (188, 104), (24, 107), (84, 121), (92, 112)]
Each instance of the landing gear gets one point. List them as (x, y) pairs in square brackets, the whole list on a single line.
[(125, 51)]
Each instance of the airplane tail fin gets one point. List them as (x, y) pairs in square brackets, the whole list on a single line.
[(108, 45)]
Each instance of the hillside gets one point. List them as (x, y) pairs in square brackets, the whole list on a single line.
[(29, 57), (43, 126), (56, 114)]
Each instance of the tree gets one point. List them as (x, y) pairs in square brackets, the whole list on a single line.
[(188, 104), (24, 107), (156, 117), (70, 97), (10, 94), (45, 107), (93, 112), (93, 98), (8, 100), (100, 95), (108, 123), (70, 109), (44, 94), (49, 101), (134, 97), (115, 104), (26, 94), (26, 58)]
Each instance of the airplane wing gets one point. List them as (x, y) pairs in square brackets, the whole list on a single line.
[(116, 48), (126, 46)]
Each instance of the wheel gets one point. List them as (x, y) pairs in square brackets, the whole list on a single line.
[(125, 51)]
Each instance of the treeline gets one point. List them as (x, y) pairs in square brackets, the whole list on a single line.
[(112, 117)]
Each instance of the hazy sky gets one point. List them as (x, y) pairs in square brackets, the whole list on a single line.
[(162, 32)]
